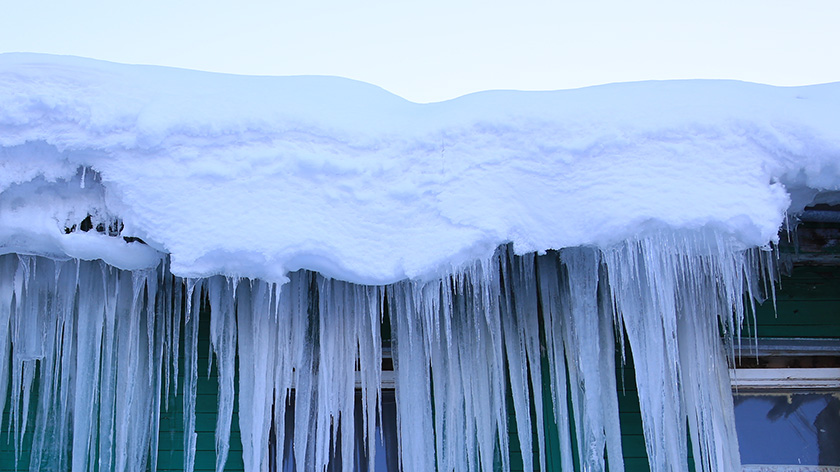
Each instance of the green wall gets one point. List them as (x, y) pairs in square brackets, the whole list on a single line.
[(807, 305), (171, 451)]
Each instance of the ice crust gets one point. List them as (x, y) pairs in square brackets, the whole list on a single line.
[(510, 240)]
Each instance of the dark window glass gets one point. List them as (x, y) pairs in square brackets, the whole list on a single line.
[(789, 428), (387, 459)]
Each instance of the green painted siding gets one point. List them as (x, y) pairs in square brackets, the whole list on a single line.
[(807, 305), (171, 449), (7, 444), (630, 419)]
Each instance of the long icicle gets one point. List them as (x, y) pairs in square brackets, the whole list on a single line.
[(100, 341)]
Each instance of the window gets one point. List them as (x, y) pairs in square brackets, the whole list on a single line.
[(386, 439), (386, 454), (787, 406)]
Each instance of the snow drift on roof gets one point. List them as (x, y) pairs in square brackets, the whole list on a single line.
[(257, 176)]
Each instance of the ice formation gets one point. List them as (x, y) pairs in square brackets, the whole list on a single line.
[(509, 241), (105, 342)]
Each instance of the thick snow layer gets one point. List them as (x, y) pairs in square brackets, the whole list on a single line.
[(657, 193), (258, 176)]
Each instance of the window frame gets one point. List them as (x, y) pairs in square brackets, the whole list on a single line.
[(758, 379)]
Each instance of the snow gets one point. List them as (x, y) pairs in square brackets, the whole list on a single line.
[(511, 239), (259, 176)]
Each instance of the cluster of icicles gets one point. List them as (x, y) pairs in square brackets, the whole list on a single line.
[(104, 345)]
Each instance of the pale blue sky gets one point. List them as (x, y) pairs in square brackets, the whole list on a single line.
[(434, 49)]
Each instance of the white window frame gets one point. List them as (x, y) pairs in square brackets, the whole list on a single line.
[(770, 379)]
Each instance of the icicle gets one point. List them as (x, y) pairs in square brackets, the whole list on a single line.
[(102, 340), (107, 372), (521, 336), (411, 367), (222, 295), (91, 317), (259, 351), (127, 368), (609, 399), (305, 339), (705, 378), (453, 330), (51, 419), (492, 428), (191, 320), (166, 304), (368, 318), (80, 322), (8, 266), (587, 336), (528, 312), (553, 307), (336, 374), (644, 288), (33, 282), (290, 318), (671, 291), (157, 361)]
